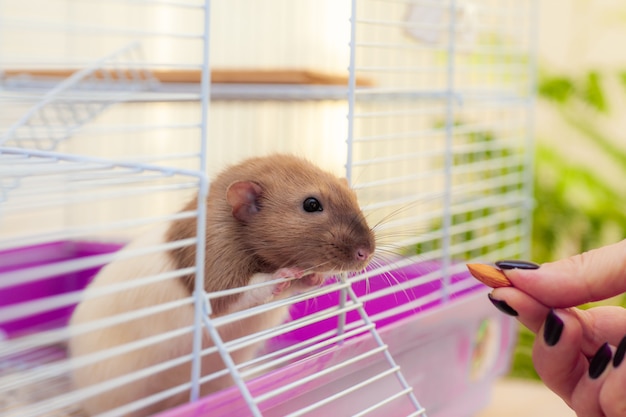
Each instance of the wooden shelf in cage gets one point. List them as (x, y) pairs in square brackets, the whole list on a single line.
[(218, 76), (183, 85)]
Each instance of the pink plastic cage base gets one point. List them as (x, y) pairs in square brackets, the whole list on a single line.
[(416, 338), (439, 352), (438, 347)]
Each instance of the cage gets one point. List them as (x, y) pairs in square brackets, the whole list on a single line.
[(115, 113)]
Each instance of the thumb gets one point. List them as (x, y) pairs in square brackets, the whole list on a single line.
[(590, 276)]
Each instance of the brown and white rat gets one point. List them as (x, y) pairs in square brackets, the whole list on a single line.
[(268, 218)]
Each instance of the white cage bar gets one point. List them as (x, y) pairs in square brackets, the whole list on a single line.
[(105, 133)]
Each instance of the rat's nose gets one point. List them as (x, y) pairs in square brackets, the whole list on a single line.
[(362, 254)]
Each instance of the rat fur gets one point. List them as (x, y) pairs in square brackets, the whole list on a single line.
[(268, 218)]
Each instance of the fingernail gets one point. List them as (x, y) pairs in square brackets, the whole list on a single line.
[(514, 264), (552, 329), (502, 306), (600, 361), (619, 353)]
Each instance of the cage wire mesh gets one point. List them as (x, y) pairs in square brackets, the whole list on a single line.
[(105, 134)]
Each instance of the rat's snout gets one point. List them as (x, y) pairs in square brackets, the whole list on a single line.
[(363, 246), (363, 250), (362, 254)]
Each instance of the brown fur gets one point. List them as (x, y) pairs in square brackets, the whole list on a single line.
[(242, 246), (282, 234)]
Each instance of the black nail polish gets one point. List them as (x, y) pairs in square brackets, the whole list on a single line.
[(552, 329), (619, 353), (600, 361), (514, 264), (502, 306)]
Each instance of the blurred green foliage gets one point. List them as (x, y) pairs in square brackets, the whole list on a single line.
[(486, 151), (564, 90), (574, 204), (575, 207)]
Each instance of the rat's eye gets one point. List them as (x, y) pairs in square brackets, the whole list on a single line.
[(311, 204)]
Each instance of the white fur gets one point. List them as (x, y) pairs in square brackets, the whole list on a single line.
[(132, 330)]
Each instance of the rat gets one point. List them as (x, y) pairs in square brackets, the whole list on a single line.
[(277, 217)]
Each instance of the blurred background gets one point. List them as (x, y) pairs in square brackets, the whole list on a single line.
[(580, 136), (579, 126), (580, 163)]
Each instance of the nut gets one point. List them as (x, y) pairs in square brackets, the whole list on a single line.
[(489, 275)]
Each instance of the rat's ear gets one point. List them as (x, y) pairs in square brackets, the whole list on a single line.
[(243, 197)]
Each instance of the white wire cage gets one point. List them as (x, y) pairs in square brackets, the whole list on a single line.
[(105, 132)]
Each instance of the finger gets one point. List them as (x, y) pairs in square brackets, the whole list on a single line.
[(530, 312), (598, 324), (591, 276), (586, 395), (557, 356), (612, 398), (602, 324)]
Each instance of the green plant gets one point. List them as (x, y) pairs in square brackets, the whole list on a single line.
[(575, 206)]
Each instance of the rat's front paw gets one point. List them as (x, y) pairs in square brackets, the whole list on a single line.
[(313, 280), (288, 273), (285, 273), (280, 287)]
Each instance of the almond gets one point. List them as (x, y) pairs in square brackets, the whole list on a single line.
[(489, 275)]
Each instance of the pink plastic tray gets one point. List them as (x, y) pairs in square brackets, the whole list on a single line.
[(437, 344)]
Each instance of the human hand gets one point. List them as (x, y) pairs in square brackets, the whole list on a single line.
[(578, 353)]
